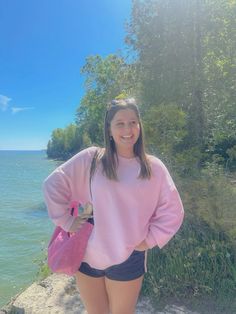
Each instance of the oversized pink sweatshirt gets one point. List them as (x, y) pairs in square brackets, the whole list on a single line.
[(126, 211)]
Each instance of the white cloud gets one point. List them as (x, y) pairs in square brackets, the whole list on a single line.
[(4, 102), (19, 109), (4, 105)]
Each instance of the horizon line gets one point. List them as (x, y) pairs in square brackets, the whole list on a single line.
[(14, 149)]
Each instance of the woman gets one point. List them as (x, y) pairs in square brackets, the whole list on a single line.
[(135, 207)]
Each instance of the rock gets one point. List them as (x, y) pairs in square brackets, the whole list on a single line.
[(55, 294), (58, 294)]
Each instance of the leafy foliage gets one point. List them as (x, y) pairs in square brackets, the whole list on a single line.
[(64, 143), (198, 262)]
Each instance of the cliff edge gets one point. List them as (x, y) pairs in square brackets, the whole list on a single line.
[(58, 294)]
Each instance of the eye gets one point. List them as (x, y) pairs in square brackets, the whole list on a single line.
[(120, 124), (134, 122)]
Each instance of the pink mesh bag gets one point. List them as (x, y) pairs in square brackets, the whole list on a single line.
[(66, 250)]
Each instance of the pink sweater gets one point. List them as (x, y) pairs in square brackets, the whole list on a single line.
[(125, 212)]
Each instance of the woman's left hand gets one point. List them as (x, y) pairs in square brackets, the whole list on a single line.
[(142, 246)]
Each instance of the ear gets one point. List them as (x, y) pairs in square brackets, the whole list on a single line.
[(110, 135)]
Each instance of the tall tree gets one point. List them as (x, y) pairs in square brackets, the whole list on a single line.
[(220, 72), (185, 54), (105, 79)]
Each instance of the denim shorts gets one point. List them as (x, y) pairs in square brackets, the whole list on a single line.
[(132, 268)]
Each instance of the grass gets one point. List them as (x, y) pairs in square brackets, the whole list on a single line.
[(197, 267), (43, 269)]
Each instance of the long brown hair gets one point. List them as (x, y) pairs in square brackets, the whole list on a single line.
[(108, 155)]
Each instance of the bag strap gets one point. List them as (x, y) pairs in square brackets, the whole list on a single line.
[(74, 204), (92, 169)]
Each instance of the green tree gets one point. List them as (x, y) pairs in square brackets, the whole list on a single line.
[(105, 79), (64, 143), (220, 71), (185, 54), (56, 144), (165, 129)]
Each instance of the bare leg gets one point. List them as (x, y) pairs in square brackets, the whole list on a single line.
[(123, 295), (93, 293)]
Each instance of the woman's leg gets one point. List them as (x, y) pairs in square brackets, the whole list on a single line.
[(123, 295), (93, 293)]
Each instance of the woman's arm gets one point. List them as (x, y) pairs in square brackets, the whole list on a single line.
[(168, 215), (69, 182)]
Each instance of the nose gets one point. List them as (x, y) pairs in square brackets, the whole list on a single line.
[(128, 125)]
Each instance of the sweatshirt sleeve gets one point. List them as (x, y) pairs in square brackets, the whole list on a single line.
[(69, 182), (168, 215)]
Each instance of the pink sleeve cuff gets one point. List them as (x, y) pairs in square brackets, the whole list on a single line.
[(150, 240)]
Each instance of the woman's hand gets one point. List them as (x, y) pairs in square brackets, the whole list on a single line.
[(142, 246), (88, 208), (82, 218)]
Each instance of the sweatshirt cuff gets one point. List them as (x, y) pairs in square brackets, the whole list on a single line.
[(150, 240), (67, 224)]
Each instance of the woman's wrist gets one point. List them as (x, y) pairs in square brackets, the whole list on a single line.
[(79, 221), (142, 246)]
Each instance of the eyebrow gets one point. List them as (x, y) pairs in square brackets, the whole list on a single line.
[(120, 120)]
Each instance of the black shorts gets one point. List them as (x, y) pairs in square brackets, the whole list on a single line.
[(132, 268)]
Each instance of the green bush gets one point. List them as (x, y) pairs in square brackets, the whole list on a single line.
[(198, 262), (212, 197), (43, 269)]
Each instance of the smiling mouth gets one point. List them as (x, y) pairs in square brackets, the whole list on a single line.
[(127, 137)]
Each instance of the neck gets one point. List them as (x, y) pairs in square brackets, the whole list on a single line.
[(126, 154)]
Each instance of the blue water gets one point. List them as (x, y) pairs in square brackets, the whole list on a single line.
[(25, 226)]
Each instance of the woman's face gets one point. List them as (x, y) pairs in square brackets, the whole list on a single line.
[(125, 130)]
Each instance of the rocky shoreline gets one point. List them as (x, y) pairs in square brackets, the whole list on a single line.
[(58, 294)]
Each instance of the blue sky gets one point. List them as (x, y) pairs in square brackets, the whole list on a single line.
[(43, 45)]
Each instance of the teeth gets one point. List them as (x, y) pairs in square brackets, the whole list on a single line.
[(127, 136)]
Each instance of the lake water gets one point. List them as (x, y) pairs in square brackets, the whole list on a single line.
[(25, 226)]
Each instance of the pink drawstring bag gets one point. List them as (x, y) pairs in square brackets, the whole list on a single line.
[(66, 250)]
